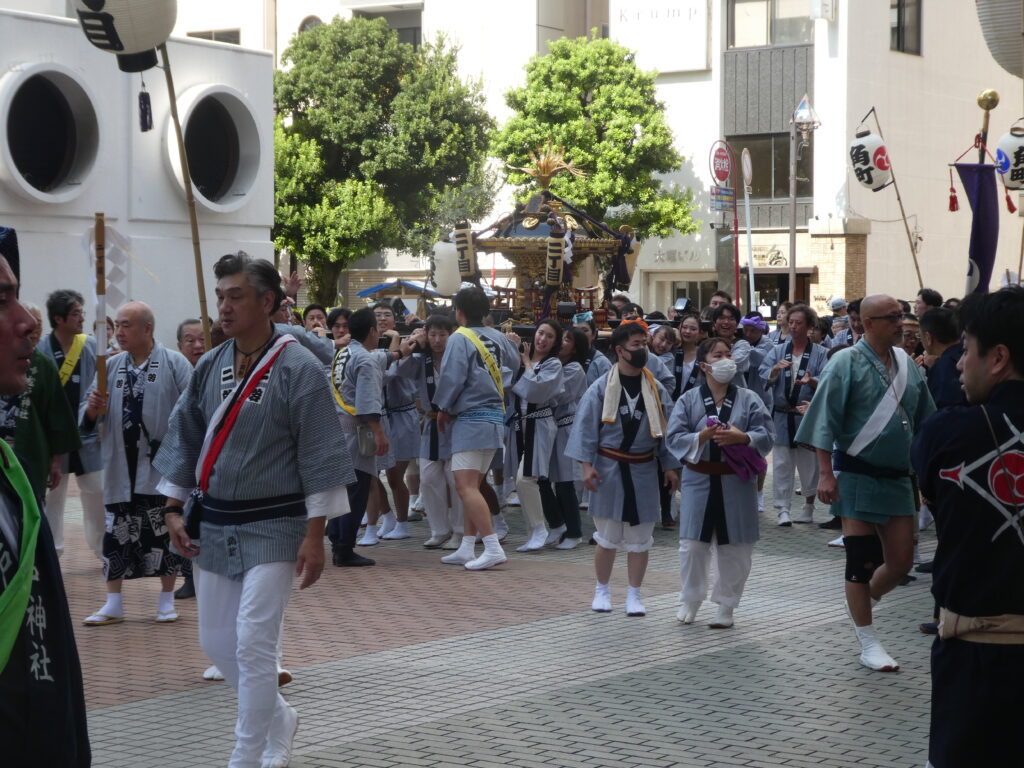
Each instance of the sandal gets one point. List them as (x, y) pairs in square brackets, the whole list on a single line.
[(166, 617), (101, 619)]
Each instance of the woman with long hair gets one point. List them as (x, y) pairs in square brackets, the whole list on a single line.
[(719, 508), (781, 332), (537, 388), (558, 491)]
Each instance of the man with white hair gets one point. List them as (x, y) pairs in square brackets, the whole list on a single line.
[(143, 384)]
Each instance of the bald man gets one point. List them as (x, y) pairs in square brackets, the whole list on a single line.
[(143, 385), (869, 405)]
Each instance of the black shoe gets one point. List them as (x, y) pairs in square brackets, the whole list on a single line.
[(186, 590), (346, 558), (835, 524), (929, 628), (908, 579), (925, 567)]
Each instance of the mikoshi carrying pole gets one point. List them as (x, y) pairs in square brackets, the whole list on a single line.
[(190, 198), (101, 309), (899, 201)]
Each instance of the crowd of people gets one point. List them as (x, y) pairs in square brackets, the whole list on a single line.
[(230, 466)]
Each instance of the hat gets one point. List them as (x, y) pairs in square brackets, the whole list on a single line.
[(838, 303)]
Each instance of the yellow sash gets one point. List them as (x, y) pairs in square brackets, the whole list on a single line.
[(337, 377), (488, 358), (71, 358)]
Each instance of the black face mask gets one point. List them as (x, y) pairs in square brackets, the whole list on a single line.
[(635, 357)]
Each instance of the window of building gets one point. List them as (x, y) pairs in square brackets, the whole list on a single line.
[(407, 23), (769, 156), (905, 26), (233, 36), (759, 23), (310, 22)]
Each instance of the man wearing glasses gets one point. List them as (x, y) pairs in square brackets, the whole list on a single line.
[(869, 405)]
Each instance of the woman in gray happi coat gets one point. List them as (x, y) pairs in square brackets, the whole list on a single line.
[(537, 389), (718, 508)]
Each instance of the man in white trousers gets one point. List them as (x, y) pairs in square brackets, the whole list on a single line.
[(253, 445)]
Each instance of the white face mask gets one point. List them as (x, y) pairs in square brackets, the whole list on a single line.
[(723, 371)]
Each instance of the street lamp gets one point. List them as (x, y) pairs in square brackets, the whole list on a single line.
[(804, 120)]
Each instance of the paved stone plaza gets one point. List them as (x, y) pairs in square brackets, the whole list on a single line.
[(413, 663)]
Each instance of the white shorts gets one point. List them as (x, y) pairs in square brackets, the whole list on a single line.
[(615, 534), (479, 461)]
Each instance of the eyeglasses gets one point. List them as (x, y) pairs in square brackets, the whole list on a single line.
[(892, 317)]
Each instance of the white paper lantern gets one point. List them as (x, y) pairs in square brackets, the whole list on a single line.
[(1010, 157), (870, 160), (130, 28), (446, 268), (1000, 25)]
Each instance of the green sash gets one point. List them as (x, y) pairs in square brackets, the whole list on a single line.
[(14, 599)]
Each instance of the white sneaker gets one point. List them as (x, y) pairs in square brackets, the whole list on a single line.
[(568, 544), (280, 739), (415, 517), (398, 531), (784, 520), (602, 602), (500, 526), (536, 541), (454, 542), (873, 655), (513, 500), (369, 538), (212, 674), (806, 514), (687, 612), (386, 524), (635, 603), (837, 543), (554, 536), (723, 619), (487, 560), (415, 503)]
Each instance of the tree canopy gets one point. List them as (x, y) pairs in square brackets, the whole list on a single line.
[(588, 96), (380, 139)]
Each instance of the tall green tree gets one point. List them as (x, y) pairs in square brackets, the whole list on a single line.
[(588, 96), (380, 138)]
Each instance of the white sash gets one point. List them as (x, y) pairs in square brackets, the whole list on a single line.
[(886, 406)]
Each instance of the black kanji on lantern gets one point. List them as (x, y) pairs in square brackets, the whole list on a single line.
[(99, 29)]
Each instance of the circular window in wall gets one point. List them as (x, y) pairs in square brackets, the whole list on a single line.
[(309, 23), (52, 133), (222, 144)]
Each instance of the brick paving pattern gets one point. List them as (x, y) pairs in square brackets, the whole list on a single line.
[(414, 663)]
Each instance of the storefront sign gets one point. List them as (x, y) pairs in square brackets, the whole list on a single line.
[(667, 35)]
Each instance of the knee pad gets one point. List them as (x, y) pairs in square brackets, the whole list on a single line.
[(863, 556)]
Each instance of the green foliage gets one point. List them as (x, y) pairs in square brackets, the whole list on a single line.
[(589, 97), (383, 141)]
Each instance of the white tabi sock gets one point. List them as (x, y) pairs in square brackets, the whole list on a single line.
[(468, 544), (115, 604), (491, 544), (166, 604)]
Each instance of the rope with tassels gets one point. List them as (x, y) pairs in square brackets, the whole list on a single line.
[(954, 202)]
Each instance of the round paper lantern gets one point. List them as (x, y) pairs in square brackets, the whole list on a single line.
[(130, 28), (870, 160), (446, 268), (1000, 26), (1010, 157)]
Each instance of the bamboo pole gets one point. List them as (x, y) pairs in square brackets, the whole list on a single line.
[(190, 199), (899, 200)]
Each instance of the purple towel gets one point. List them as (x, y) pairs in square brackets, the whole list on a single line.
[(744, 460)]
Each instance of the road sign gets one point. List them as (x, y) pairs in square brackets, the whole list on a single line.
[(748, 167), (721, 164), (723, 198)]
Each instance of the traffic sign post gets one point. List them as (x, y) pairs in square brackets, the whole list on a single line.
[(722, 160)]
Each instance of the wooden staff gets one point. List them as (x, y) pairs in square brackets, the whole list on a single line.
[(190, 199), (101, 309)]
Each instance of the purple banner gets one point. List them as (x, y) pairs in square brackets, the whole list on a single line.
[(980, 187)]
